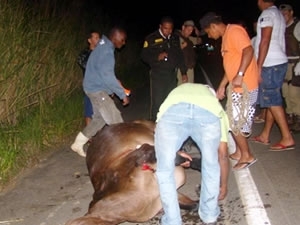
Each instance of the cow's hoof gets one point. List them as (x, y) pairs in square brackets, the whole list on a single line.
[(190, 207)]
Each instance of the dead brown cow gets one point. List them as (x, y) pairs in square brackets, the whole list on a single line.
[(121, 163)]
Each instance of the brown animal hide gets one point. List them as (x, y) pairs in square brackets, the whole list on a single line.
[(121, 164)]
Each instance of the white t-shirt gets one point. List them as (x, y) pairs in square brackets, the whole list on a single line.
[(253, 41), (272, 17)]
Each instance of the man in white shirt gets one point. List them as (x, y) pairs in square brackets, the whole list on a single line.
[(272, 66)]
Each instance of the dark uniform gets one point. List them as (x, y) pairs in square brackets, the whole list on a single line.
[(291, 85), (82, 61), (83, 58), (163, 73), (189, 52)]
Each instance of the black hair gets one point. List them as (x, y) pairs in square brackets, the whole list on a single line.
[(116, 29), (210, 18), (269, 1), (89, 34), (166, 19)]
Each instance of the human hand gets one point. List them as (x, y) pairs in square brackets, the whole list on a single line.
[(297, 69), (184, 78), (199, 41), (220, 93), (222, 193), (197, 31), (183, 44), (186, 156), (162, 56), (237, 81), (125, 101)]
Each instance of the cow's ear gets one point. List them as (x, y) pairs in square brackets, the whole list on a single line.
[(145, 154)]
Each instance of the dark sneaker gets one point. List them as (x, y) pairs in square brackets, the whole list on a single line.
[(295, 128), (290, 119)]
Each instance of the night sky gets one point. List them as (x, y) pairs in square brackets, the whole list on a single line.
[(145, 15)]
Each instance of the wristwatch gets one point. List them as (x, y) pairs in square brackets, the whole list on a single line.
[(240, 73)]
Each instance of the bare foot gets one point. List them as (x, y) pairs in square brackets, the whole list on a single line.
[(235, 156), (223, 193)]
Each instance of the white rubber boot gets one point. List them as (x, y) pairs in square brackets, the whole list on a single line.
[(78, 144)]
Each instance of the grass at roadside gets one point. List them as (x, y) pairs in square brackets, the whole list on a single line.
[(22, 145)]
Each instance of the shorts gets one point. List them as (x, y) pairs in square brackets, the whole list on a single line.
[(270, 87), (246, 127), (88, 108)]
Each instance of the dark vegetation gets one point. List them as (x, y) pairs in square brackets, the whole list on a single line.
[(40, 82)]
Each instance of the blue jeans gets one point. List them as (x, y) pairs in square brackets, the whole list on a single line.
[(178, 123), (270, 87)]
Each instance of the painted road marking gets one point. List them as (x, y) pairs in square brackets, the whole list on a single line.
[(255, 212)]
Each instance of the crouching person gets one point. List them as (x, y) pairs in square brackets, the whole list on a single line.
[(191, 110)]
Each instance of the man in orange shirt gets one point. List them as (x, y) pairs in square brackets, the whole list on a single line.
[(242, 74)]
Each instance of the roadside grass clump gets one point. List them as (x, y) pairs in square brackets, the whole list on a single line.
[(38, 77), (44, 130)]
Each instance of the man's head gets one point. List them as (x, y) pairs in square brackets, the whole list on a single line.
[(210, 23), (93, 39), (287, 12), (187, 28), (166, 26), (264, 4), (118, 37)]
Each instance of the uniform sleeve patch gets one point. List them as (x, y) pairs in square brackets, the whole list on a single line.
[(158, 40), (145, 44)]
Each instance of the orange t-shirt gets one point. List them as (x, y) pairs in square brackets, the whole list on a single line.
[(234, 41)]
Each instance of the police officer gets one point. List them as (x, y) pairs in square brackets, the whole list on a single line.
[(291, 85), (162, 52), (187, 43)]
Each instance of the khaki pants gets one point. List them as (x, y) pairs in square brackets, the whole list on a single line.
[(189, 73), (291, 94)]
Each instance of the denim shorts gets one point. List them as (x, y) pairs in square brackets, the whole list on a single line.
[(270, 87)]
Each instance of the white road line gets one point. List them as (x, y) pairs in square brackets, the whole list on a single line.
[(206, 77), (253, 206)]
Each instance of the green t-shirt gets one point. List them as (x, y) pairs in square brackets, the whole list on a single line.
[(200, 95)]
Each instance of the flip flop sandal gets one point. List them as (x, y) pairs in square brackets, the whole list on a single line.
[(257, 139), (245, 165)]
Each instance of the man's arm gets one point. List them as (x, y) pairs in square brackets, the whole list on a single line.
[(263, 48), (224, 167), (222, 87), (247, 56)]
